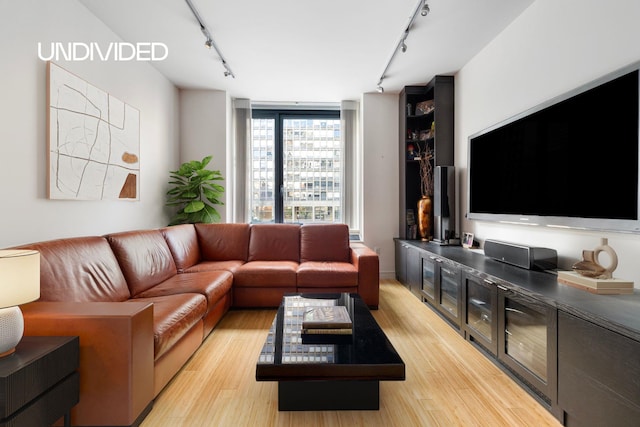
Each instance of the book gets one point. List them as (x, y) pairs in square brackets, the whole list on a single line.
[(594, 283), (327, 331), (327, 317), (606, 291), (595, 286)]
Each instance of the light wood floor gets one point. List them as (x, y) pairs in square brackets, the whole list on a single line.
[(449, 383)]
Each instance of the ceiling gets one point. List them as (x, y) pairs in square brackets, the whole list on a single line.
[(308, 51)]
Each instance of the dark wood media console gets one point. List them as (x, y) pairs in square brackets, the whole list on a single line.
[(576, 352)]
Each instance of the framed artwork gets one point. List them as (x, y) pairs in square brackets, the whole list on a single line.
[(93, 144), (467, 240)]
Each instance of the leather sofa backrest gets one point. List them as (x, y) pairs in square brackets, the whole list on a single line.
[(274, 242), (183, 244), (324, 242), (79, 269), (223, 242), (144, 258)]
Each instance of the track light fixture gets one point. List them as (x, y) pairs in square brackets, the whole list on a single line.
[(403, 41), (425, 9), (209, 43), (421, 7)]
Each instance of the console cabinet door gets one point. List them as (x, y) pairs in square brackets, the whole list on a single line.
[(481, 319), (598, 375), (527, 341), (450, 293), (414, 271), (401, 262), (429, 271)]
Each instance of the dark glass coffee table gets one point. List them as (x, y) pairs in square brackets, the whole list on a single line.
[(327, 372)]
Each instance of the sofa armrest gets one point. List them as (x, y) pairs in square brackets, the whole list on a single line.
[(116, 355), (368, 265)]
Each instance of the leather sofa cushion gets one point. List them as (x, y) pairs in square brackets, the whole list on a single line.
[(324, 242), (327, 274), (80, 269), (212, 284), (183, 244), (265, 274), (173, 318), (221, 242), (144, 257), (230, 265), (274, 242)]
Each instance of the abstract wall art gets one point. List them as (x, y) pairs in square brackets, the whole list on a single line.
[(93, 141)]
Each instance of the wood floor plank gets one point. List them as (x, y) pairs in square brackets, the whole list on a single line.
[(449, 382)]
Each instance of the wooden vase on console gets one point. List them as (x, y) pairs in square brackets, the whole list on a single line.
[(425, 207)]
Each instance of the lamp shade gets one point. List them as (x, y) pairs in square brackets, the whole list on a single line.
[(19, 277)]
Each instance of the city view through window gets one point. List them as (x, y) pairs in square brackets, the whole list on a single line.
[(311, 179)]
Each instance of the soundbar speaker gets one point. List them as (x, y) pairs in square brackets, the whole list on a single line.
[(529, 257)]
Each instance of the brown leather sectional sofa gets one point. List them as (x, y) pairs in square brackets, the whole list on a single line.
[(143, 301)]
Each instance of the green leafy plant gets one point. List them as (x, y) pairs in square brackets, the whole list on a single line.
[(194, 191)]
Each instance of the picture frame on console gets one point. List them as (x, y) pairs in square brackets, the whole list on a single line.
[(467, 240)]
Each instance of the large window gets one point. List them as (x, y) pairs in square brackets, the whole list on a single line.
[(296, 162)]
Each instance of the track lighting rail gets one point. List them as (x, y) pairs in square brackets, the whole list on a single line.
[(423, 9), (210, 43)]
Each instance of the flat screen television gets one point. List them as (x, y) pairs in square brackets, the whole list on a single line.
[(570, 162)]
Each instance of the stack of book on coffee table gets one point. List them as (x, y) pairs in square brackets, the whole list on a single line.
[(326, 320)]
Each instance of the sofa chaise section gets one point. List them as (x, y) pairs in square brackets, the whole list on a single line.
[(186, 306)]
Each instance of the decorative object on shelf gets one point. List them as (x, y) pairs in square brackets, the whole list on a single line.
[(195, 192), (19, 284), (424, 107), (591, 276), (412, 154), (467, 240), (425, 135), (408, 109), (591, 267), (425, 204), (588, 267)]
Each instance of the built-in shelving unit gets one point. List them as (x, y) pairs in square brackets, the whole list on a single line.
[(426, 120)]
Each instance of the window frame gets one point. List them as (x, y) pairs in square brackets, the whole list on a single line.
[(279, 115)]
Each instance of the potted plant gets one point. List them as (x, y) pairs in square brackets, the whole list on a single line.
[(193, 189)]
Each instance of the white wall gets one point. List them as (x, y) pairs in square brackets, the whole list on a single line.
[(203, 132), (27, 215), (380, 176), (552, 48)]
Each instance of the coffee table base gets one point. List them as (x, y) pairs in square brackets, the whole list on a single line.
[(328, 395)]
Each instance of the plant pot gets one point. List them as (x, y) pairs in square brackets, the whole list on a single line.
[(425, 215)]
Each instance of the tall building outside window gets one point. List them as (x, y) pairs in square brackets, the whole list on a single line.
[(296, 167)]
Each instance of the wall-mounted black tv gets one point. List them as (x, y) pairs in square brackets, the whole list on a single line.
[(571, 162)]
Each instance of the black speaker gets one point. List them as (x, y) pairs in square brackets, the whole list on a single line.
[(529, 257), (444, 207)]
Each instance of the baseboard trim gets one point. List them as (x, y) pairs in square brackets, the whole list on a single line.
[(387, 275)]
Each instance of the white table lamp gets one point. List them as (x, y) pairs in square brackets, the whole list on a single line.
[(19, 284)]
